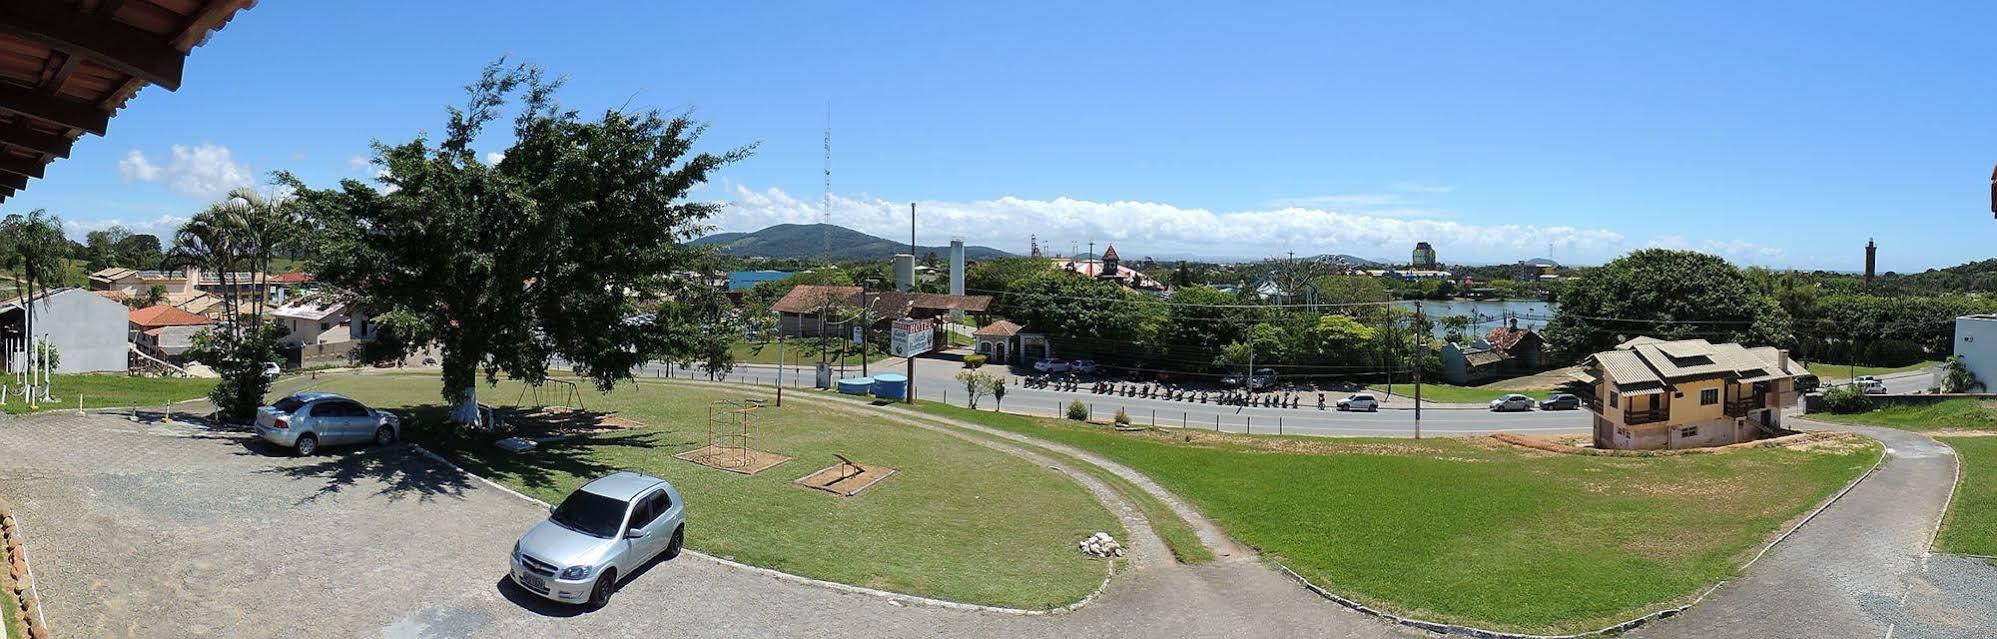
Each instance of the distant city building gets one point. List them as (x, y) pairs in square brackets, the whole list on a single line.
[(1110, 268), (1033, 246), (1424, 257)]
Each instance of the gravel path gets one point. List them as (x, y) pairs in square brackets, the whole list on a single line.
[(150, 530), (1860, 569)]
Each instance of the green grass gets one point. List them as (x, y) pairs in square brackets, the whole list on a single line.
[(959, 521), (1449, 394), (797, 352), (7, 608), (112, 390), (1178, 535), (1971, 524), (1461, 531), (1948, 414), (1841, 371)]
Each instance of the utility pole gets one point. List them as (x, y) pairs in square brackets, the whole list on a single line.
[(866, 320), (1419, 347), (780, 363), (910, 396)]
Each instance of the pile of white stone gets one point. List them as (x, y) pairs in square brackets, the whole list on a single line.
[(1101, 545)]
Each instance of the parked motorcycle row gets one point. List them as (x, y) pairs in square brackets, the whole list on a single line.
[(1284, 398)]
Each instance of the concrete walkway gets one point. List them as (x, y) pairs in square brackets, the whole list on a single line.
[(1861, 569)]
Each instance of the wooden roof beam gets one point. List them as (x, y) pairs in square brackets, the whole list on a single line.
[(40, 106), (19, 135), (114, 44), (21, 166), (16, 182)]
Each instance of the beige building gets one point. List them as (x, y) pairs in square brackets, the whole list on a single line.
[(1656, 394)]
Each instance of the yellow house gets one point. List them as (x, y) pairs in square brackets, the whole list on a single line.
[(1656, 394)]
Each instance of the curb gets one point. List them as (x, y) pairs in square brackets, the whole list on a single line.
[(1935, 536), (1452, 629), (891, 597), (26, 591)]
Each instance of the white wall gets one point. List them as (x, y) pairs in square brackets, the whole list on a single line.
[(1976, 342), (89, 332)]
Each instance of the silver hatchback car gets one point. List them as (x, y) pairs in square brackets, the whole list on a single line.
[(610, 527), (306, 421)]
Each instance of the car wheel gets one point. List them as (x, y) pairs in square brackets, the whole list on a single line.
[(606, 586), (384, 436), (1374, 409), (307, 446), (679, 540)]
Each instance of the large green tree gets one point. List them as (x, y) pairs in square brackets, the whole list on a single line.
[(33, 248), (563, 249), (1083, 315), (1665, 294)]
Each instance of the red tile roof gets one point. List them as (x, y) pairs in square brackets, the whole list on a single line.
[(1001, 328), (1503, 338), (291, 278), (163, 315)]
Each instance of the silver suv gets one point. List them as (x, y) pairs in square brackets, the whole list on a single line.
[(610, 527), (305, 421)]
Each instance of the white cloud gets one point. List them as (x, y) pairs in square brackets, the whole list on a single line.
[(162, 226), (135, 166), (1153, 228), (493, 157), (358, 163), (207, 171)]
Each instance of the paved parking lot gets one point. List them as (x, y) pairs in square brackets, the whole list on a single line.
[(171, 531)]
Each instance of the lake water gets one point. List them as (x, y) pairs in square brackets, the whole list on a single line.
[(1487, 315)]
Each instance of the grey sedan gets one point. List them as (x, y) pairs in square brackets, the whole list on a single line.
[(607, 529), (305, 421)]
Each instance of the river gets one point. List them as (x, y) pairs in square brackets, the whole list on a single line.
[(1487, 315)]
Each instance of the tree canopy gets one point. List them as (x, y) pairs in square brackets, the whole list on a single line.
[(1665, 294), (564, 249)]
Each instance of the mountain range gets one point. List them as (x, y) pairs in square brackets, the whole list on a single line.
[(826, 241)]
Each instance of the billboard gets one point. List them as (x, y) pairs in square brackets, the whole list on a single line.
[(913, 337)]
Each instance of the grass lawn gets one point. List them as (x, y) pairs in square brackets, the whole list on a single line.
[(1466, 531), (113, 390), (1948, 414), (7, 608), (1448, 394), (1841, 371), (1178, 536), (797, 352), (959, 521), (1971, 525)]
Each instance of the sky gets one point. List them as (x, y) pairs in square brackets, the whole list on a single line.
[(1782, 134)]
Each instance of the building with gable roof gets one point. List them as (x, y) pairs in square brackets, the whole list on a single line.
[(1658, 394)]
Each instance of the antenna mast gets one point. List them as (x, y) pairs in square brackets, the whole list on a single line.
[(825, 213)]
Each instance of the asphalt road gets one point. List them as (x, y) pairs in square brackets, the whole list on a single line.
[(935, 380)]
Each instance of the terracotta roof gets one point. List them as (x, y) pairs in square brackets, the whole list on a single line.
[(1001, 328), (291, 278), (807, 298), (1503, 338), (164, 315), (67, 67), (947, 302), (1110, 253)]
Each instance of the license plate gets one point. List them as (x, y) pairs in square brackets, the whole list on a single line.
[(532, 581)]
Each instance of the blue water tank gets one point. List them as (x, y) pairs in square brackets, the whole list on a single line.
[(856, 385), (890, 385)]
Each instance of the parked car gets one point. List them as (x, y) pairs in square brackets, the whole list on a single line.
[(271, 370), (1263, 378), (1051, 365), (1560, 401), (305, 421), (1513, 401), (608, 528), (1360, 401), (1084, 366), (1872, 385)]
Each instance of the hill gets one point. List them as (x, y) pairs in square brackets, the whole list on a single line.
[(826, 241)]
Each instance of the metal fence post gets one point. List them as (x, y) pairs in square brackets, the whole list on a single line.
[(1279, 424), (1250, 425), (1216, 422)]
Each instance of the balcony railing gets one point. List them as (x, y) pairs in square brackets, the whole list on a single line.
[(1738, 407), (1646, 416)]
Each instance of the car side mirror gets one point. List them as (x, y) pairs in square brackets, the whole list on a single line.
[(634, 533)]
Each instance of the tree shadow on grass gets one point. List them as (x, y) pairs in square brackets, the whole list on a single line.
[(544, 466)]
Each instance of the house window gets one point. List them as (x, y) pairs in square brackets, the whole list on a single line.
[(1612, 400), (1709, 397), (325, 325), (1688, 431)]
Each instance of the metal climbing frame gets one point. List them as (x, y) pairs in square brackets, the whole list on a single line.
[(731, 429)]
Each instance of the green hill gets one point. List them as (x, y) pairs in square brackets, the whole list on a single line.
[(826, 241)]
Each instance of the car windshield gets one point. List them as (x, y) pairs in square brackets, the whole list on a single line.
[(288, 405), (590, 514)]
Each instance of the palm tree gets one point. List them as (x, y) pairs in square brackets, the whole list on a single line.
[(32, 246), (208, 242)]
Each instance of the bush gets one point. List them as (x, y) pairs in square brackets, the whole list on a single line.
[(1078, 411), (1807, 382), (1122, 418), (974, 360), (1847, 399)]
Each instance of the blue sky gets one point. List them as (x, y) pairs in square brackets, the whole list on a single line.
[(1783, 134)]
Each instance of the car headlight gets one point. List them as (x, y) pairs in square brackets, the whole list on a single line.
[(573, 573), (516, 550)]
